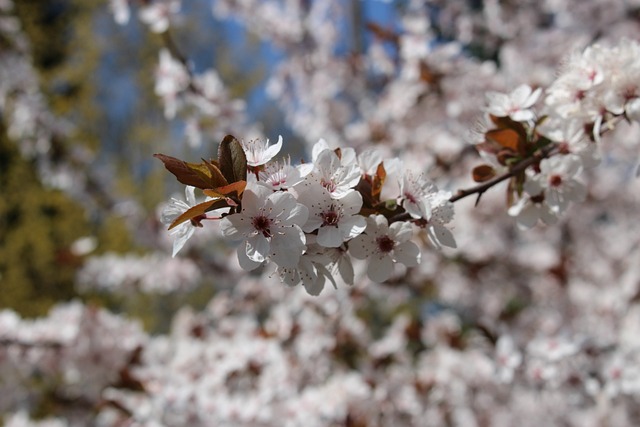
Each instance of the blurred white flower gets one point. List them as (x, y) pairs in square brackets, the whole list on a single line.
[(157, 15), (414, 192), (557, 181), (382, 245), (171, 79), (516, 105), (172, 211), (528, 210)]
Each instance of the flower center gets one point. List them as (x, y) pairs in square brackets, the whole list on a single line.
[(555, 180), (385, 244), (329, 185), (330, 217), (262, 224)]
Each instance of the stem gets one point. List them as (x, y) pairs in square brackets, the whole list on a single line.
[(545, 152)]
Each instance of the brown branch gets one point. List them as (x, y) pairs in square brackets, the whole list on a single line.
[(545, 152)]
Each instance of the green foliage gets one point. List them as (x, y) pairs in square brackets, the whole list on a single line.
[(37, 228)]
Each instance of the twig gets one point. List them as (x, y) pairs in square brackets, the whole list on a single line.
[(547, 151)]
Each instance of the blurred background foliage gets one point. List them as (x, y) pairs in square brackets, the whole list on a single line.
[(99, 77)]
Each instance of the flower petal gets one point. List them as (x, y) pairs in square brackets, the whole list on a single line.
[(380, 268), (407, 253), (329, 237)]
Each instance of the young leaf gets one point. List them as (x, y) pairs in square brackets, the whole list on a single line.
[(232, 160), (507, 138), (378, 181), (483, 173), (199, 210), (199, 175), (217, 178), (237, 187)]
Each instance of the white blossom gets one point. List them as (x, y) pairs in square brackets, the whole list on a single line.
[(382, 245), (260, 152), (269, 225), (337, 221), (557, 181), (516, 105), (173, 210)]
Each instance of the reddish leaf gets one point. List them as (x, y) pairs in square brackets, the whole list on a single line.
[(378, 181), (237, 187), (216, 175), (483, 173), (199, 175), (199, 210), (507, 138), (232, 160)]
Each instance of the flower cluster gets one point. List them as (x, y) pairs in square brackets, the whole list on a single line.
[(309, 219), (545, 152)]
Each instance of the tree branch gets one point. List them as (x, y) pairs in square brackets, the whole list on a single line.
[(545, 152)]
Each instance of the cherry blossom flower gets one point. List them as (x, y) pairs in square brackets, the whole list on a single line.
[(369, 160), (120, 10), (529, 209), (173, 210), (557, 181), (383, 245), (311, 270), (336, 220), (441, 214), (282, 175), (516, 105), (414, 192), (171, 79), (508, 358), (259, 151), (329, 172), (158, 14), (269, 224)]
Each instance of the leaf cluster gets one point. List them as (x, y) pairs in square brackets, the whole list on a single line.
[(511, 143), (223, 180)]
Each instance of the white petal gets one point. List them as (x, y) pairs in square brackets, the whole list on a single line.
[(318, 148), (351, 202), (236, 226), (329, 237), (272, 150), (183, 232), (281, 202), (362, 246), (253, 198), (528, 216), (407, 253), (443, 235), (258, 248), (190, 196), (287, 247), (401, 231), (380, 269), (244, 261), (345, 268), (298, 215), (314, 287), (352, 226)]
